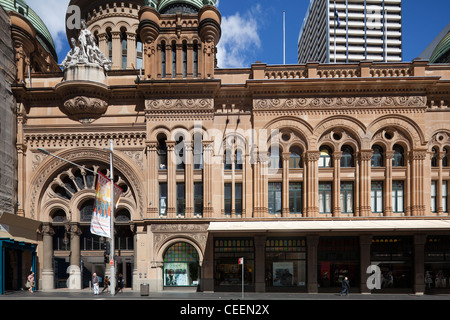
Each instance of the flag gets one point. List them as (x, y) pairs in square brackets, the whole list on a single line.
[(101, 217), (241, 260), (336, 16)]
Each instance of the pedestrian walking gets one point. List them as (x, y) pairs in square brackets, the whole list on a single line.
[(30, 282), (345, 287), (120, 283), (106, 284), (96, 282)]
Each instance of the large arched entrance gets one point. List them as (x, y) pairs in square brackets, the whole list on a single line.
[(181, 266)]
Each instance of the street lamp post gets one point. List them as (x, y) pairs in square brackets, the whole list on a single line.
[(111, 179)]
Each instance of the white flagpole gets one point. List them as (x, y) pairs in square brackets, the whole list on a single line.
[(243, 278), (111, 256)]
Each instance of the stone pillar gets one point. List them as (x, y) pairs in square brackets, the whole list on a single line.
[(439, 207), (365, 182), (209, 32), (75, 257), (260, 263), (418, 182), (312, 183), (419, 263), (47, 280), (149, 26), (312, 243), (152, 180), (208, 149), (131, 50), (116, 51), (337, 155), (388, 185), (285, 187), (189, 180), (365, 242), (207, 280), (171, 180)]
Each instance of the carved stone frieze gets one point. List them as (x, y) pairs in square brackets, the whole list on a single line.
[(179, 104), (340, 102)]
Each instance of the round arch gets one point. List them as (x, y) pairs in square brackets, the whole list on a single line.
[(51, 166)]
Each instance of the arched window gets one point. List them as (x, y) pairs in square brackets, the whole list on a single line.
[(124, 43), (184, 59), (139, 53), (275, 158), (109, 39), (347, 157), (181, 266), (174, 59), (295, 160), (180, 154), (377, 157), (325, 157), (59, 216), (162, 152), (195, 56), (445, 158), (398, 160), (238, 161), (227, 162), (434, 162), (198, 151), (86, 210), (163, 59)]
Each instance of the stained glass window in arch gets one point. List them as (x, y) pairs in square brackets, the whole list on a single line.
[(181, 266)]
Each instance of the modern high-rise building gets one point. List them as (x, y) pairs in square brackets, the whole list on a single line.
[(346, 31)]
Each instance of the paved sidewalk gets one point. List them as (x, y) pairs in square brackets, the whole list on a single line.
[(128, 294)]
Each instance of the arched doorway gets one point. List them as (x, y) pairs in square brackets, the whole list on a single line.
[(181, 266)]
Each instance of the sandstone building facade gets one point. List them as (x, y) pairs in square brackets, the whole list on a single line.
[(311, 172)]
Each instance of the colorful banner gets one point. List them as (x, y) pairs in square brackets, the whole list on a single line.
[(101, 217)]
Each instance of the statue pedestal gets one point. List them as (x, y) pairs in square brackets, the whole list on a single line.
[(85, 72)]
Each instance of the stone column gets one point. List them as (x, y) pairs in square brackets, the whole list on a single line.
[(419, 263), (418, 182), (365, 242), (131, 50), (47, 282), (171, 180), (312, 183), (365, 182), (207, 280), (337, 155), (75, 257), (260, 263), (285, 187), (312, 243), (152, 180), (116, 51), (388, 185), (208, 149), (439, 207), (189, 180)]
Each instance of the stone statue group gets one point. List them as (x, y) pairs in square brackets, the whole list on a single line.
[(85, 51)]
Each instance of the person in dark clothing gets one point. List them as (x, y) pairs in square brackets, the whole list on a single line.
[(345, 287), (120, 283)]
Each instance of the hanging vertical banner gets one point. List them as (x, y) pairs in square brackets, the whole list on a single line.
[(101, 217)]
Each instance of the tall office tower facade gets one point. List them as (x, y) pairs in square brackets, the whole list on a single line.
[(345, 31)]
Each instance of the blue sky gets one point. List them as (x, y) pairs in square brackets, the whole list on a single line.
[(253, 30)]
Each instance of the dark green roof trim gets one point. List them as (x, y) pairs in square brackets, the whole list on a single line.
[(442, 52)]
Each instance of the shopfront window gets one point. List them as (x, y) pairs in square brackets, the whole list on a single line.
[(181, 266), (338, 257), (393, 255), (228, 272), (285, 263), (437, 262)]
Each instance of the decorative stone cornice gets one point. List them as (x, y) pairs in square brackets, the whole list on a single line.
[(162, 105), (341, 102)]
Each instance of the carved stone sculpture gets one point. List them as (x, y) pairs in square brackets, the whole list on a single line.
[(85, 51)]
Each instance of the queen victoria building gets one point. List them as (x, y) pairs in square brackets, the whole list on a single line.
[(310, 172)]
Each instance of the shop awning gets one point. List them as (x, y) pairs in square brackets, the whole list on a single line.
[(334, 226), (18, 228)]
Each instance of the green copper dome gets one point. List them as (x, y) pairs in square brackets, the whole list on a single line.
[(442, 52), (172, 6), (44, 36)]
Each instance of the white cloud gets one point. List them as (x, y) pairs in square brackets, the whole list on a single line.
[(53, 13), (240, 39)]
